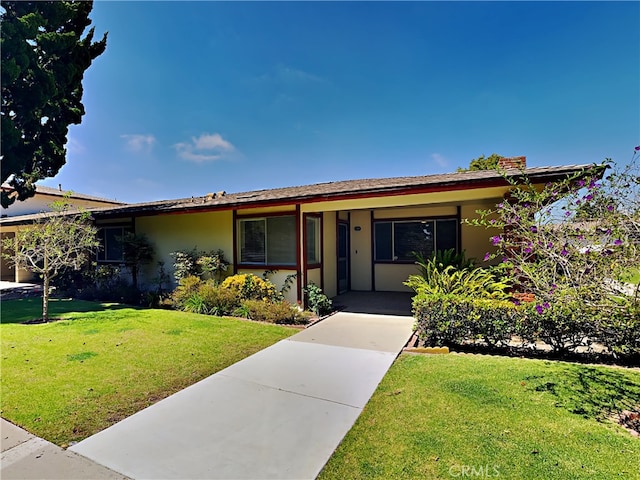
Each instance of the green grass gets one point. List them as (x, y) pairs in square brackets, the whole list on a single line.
[(497, 417), (69, 379)]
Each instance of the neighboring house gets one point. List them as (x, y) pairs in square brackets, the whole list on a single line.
[(45, 196), (41, 202), (348, 235)]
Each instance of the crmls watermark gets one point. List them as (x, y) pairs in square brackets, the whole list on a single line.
[(474, 471)]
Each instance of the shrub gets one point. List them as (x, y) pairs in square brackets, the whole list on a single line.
[(317, 301), (564, 324), (217, 300), (247, 286), (187, 286), (620, 331), (184, 264), (280, 312), (479, 282), (446, 319), (206, 265)]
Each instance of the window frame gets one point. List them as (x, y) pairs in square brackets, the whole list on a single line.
[(317, 219), (394, 221), (265, 217), (101, 253)]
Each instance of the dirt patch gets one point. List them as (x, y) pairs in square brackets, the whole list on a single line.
[(630, 421)]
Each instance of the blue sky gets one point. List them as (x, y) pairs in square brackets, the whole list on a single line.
[(197, 97)]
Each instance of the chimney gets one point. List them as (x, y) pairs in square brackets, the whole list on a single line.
[(509, 163)]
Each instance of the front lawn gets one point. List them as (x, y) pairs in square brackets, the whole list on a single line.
[(472, 416), (71, 378)]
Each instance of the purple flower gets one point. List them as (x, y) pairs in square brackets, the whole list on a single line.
[(516, 302), (567, 214), (550, 245), (528, 250), (564, 252), (610, 208), (589, 197), (553, 288), (617, 241), (637, 149), (546, 305), (534, 229), (487, 256), (581, 183), (539, 309), (496, 240)]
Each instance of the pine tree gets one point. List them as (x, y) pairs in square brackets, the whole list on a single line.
[(44, 58)]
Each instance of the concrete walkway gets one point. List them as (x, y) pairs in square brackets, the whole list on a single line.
[(25, 456), (278, 414)]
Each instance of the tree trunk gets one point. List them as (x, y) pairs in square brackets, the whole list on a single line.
[(45, 287), (45, 298)]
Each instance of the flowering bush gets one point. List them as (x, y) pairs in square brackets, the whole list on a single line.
[(569, 245), (247, 286)]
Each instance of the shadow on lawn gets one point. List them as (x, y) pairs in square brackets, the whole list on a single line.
[(590, 392), (29, 310)]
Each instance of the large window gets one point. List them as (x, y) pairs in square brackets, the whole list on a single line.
[(110, 239), (268, 241), (399, 240)]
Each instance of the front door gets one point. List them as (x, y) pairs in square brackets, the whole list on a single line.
[(343, 257)]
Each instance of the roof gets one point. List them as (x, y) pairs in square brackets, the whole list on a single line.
[(340, 190), (58, 192)]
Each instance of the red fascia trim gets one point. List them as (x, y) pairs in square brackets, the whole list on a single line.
[(298, 252)]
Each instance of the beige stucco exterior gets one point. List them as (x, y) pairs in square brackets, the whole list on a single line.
[(215, 230), (212, 230)]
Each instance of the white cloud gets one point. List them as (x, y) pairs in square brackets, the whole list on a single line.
[(74, 146), (139, 143), (205, 148), (440, 160), (284, 74)]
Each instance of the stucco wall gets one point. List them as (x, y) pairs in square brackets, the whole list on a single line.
[(278, 279), (389, 278), (169, 233), (475, 240)]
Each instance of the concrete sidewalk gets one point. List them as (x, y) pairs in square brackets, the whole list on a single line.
[(25, 456), (278, 414)]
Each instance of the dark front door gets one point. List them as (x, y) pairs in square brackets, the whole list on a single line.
[(343, 257)]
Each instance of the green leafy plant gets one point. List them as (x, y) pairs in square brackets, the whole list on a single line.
[(479, 282), (213, 264), (195, 304), (317, 301)]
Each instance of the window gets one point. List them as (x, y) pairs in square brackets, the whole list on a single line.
[(268, 241), (396, 241), (313, 240), (110, 243)]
